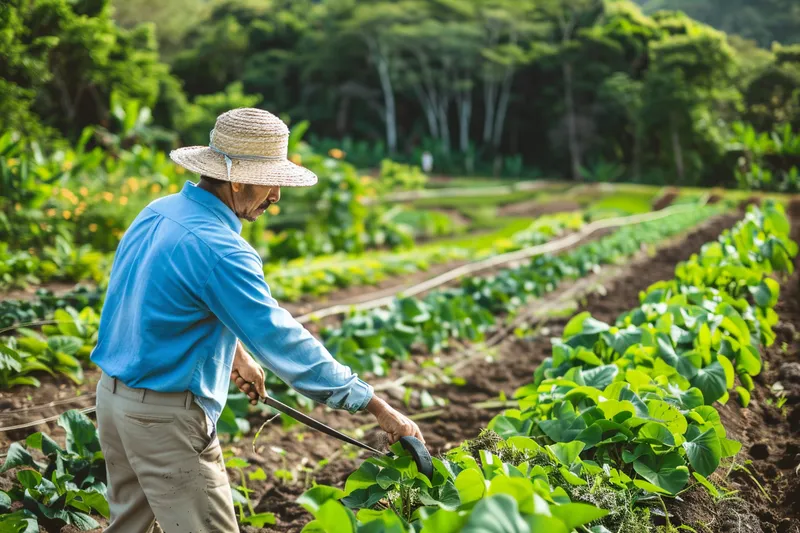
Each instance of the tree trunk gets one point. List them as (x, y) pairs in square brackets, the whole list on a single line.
[(502, 109), (489, 92), (389, 111), (572, 125), (677, 151), (637, 155), (464, 117), (444, 126)]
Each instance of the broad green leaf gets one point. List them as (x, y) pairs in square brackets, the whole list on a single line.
[(655, 433), (29, 479), (766, 293), (236, 462), (65, 344), (16, 457), (364, 477), (81, 433), (335, 517), (729, 447), (40, 441), (518, 488), (566, 452), (649, 487), (575, 515), (600, 377), (729, 373), (661, 411), (443, 521), (749, 361), (470, 485), (744, 396), (703, 450), (388, 477), (96, 501), (711, 381), (575, 325), (447, 498), (496, 514), (313, 498), (666, 471), (5, 502)]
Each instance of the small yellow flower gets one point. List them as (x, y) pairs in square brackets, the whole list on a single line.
[(180, 170), (336, 153), (154, 188), (92, 227), (66, 214), (84, 191), (12, 162), (74, 200), (124, 189), (123, 200), (297, 159), (18, 207), (173, 188), (67, 165), (365, 179), (273, 209), (108, 197), (51, 212), (133, 183)]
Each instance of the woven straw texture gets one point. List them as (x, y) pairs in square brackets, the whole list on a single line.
[(259, 138)]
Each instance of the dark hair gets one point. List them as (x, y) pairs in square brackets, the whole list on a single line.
[(213, 183)]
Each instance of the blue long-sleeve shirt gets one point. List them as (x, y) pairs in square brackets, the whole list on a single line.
[(184, 286)]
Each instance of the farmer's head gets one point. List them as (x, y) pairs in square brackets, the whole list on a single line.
[(245, 200), (245, 163)]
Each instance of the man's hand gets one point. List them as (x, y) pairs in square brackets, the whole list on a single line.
[(248, 375), (394, 423)]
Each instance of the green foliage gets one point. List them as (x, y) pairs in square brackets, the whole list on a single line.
[(62, 348), (67, 488), (650, 417), (64, 59), (367, 341), (767, 161)]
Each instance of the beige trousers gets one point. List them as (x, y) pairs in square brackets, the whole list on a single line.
[(161, 462)]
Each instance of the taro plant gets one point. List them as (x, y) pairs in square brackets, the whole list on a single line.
[(67, 487)]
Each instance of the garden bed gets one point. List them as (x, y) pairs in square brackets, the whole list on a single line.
[(484, 381)]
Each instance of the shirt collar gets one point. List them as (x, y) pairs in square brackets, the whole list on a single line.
[(213, 204)]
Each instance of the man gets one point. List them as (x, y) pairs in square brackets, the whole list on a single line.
[(185, 287)]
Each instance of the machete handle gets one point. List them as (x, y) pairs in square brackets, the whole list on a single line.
[(419, 453)]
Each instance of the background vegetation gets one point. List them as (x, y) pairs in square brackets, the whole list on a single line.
[(580, 89)]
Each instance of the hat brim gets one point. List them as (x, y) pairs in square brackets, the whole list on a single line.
[(280, 173)]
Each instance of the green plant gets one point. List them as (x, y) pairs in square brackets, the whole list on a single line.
[(69, 486), (241, 494)]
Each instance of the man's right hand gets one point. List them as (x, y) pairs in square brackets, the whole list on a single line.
[(393, 422)]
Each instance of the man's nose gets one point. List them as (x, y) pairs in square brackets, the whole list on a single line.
[(275, 195)]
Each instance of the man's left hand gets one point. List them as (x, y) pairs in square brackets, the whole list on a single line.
[(248, 375)]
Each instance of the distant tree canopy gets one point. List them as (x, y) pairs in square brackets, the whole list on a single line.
[(764, 21), (577, 88)]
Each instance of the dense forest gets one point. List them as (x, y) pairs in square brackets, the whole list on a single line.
[(580, 89)]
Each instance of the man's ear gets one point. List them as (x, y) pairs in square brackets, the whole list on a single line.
[(236, 186)]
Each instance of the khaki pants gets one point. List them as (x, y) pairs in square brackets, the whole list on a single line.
[(161, 462)]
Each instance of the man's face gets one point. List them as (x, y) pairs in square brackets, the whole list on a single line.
[(251, 201)]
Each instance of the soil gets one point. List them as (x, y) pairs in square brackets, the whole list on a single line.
[(485, 379), (29, 293), (666, 199), (535, 208)]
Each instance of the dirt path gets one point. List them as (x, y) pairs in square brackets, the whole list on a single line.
[(460, 420)]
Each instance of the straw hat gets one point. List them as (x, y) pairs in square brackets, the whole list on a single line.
[(247, 146)]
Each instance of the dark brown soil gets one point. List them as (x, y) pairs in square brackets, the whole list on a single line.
[(29, 293), (485, 379), (535, 208), (666, 199)]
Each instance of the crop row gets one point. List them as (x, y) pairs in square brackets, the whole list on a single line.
[(618, 416), (367, 341)]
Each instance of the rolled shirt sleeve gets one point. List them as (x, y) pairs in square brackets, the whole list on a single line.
[(237, 293)]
